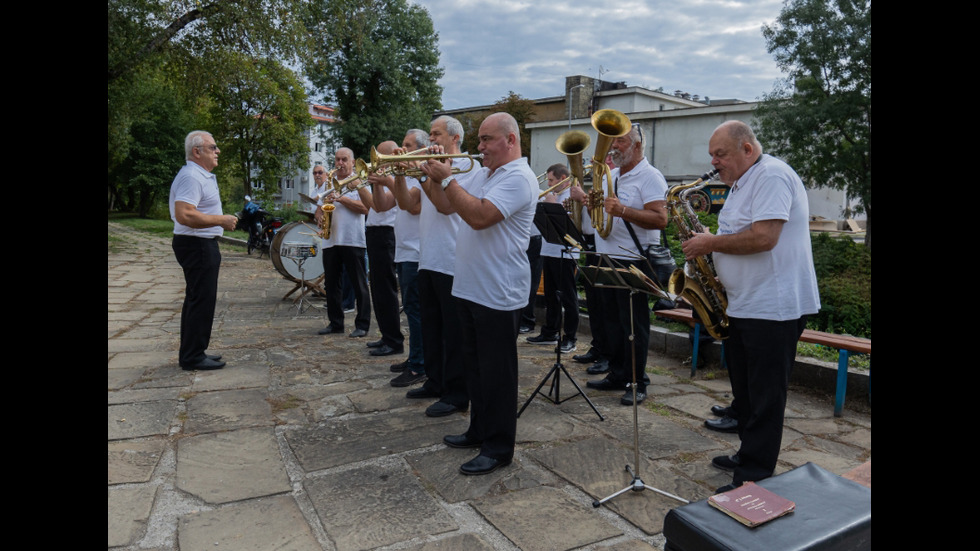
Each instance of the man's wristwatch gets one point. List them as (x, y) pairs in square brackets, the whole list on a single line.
[(445, 183)]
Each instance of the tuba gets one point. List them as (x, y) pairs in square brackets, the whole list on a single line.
[(572, 144), (697, 283), (610, 124)]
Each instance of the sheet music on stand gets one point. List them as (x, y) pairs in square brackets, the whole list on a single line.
[(612, 274)]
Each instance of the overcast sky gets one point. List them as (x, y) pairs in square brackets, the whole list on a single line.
[(710, 48)]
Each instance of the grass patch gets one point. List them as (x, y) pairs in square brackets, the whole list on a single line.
[(284, 402), (657, 408)]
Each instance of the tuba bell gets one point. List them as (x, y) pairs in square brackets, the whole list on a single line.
[(572, 144), (610, 124), (697, 283)]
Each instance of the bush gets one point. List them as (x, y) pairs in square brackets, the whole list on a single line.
[(844, 278)]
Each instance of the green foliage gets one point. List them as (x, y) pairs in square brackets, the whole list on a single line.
[(844, 279), (819, 118), (258, 114), (518, 107), (378, 60), (228, 57)]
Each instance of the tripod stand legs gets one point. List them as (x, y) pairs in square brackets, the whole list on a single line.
[(637, 485)]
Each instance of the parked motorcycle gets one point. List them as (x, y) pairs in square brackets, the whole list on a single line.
[(260, 225)]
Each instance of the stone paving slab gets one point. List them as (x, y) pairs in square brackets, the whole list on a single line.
[(659, 435), (345, 441), (141, 419), (469, 542), (521, 515), (231, 466), (258, 525), (134, 461), (439, 468), (128, 511), (597, 466), (227, 409), (375, 505)]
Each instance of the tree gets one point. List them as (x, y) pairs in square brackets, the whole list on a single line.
[(518, 107), (819, 118), (378, 62), (257, 110), (205, 57)]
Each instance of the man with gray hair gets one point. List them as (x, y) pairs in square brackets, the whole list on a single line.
[(195, 208), (637, 209), (763, 257)]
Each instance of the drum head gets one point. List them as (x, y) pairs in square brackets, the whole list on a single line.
[(296, 232)]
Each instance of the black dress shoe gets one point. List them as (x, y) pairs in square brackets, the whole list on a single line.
[(421, 392), (407, 378), (726, 488), (627, 399), (375, 344), (385, 350), (460, 441), (725, 424), (329, 330), (482, 464), (598, 368), (722, 411), (399, 367), (206, 364), (605, 384), (726, 462), (214, 357), (357, 333), (442, 409), (587, 358)]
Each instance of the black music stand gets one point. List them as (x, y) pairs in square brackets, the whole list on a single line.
[(613, 275), (557, 228)]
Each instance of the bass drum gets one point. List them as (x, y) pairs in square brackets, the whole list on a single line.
[(292, 234)]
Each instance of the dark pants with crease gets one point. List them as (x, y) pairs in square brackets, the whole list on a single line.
[(490, 352), (351, 260), (559, 278), (384, 283), (441, 339), (760, 355), (200, 259), (618, 306)]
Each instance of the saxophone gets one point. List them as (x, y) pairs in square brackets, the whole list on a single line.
[(697, 283), (325, 221)]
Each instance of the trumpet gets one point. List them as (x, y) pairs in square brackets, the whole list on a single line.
[(554, 187), (380, 160)]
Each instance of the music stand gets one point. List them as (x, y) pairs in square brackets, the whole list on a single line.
[(613, 275), (557, 228)]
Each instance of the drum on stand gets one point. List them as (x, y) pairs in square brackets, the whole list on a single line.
[(296, 234)]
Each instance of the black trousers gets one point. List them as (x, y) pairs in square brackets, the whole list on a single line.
[(595, 306), (384, 283), (559, 277), (535, 260), (760, 356), (200, 260), (490, 353), (351, 260), (618, 306), (442, 339)]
